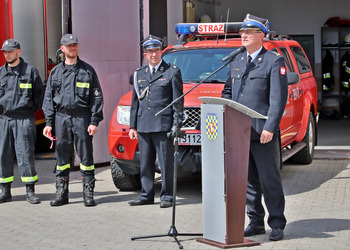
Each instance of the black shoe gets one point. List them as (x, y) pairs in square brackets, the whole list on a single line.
[(252, 230), (276, 234), (140, 202), (165, 204)]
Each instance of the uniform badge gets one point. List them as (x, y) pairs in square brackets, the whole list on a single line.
[(283, 71), (211, 126), (71, 37), (97, 92)]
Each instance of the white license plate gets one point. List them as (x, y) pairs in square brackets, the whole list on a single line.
[(191, 139)]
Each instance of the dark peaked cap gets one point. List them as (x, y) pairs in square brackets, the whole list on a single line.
[(152, 42), (254, 22)]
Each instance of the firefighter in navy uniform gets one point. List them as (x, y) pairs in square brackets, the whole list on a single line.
[(258, 80), (73, 105), (155, 86), (21, 94)]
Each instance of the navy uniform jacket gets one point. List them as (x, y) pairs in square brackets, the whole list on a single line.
[(262, 87), (155, 94), (73, 92), (21, 92)]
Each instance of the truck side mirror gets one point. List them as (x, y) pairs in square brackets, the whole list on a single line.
[(293, 78)]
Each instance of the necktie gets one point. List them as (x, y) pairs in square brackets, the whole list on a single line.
[(249, 60), (153, 72)]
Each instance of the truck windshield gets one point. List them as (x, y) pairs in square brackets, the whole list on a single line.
[(197, 64)]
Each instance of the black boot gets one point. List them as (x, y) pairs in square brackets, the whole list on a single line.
[(88, 190), (31, 196), (61, 191), (5, 195)]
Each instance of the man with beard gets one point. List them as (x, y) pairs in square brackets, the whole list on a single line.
[(73, 105), (21, 94)]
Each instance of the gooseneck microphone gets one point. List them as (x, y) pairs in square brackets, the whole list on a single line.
[(233, 54)]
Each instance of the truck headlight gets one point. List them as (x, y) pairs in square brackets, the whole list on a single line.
[(123, 115)]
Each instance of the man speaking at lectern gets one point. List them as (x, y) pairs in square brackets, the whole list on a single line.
[(257, 79)]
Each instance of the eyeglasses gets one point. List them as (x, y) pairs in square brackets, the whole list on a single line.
[(249, 32), (151, 51)]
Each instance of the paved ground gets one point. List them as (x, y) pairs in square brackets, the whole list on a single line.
[(317, 209)]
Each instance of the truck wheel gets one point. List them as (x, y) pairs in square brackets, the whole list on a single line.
[(306, 155), (123, 181)]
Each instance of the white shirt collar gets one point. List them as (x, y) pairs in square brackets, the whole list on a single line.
[(255, 54), (156, 67)]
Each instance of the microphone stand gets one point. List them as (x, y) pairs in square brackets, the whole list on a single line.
[(176, 105)]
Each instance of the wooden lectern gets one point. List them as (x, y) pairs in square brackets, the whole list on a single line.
[(225, 136)]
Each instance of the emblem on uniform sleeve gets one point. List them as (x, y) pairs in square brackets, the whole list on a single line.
[(283, 71), (97, 92), (211, 126)]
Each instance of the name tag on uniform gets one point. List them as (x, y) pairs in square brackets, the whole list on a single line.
[(25, 85), (83, 85)]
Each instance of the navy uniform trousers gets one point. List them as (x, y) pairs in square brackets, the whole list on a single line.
[(72, 131), (264, 178), (17, 142), (150, 144)]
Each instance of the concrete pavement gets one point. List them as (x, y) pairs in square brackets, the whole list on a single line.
[(317, 210)]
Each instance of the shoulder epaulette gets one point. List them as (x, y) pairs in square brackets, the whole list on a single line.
[(276, 53), (141, 67)]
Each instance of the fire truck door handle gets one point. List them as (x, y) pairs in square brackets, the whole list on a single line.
[(291, 96)]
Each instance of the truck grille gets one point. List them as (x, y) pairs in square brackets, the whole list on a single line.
[(192, 117)]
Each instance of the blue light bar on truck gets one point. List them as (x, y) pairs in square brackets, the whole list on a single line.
[(207, 28)]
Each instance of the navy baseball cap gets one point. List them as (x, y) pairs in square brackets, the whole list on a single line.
[(69, 39), (152, 42), (254, 22), (10, 45)]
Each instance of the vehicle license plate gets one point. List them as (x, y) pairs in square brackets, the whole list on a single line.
[(191, 139)]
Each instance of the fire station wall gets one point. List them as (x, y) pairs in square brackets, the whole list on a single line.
[(297, 17), (28, 29), (108, 33)]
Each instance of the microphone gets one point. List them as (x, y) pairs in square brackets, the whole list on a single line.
[(233, 54)]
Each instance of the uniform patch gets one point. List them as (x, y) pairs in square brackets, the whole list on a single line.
[(97, 92), (283, 71)]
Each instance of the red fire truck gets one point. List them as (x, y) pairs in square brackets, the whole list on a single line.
[(198, 53)]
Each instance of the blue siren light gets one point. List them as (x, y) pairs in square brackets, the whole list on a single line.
[(207, 28), (186, 28)]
